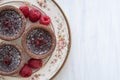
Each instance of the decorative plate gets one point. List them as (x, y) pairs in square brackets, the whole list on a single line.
[(60, 26)]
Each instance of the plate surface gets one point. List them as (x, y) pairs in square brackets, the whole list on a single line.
[(62, 31)]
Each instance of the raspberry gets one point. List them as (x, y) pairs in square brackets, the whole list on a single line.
[(7, 61), (6, 23), (25, 10), (38, 42), (35, 63), (34, 15), (26, 71), (45, 20)]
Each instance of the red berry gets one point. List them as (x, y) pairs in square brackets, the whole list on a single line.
[(5, 23), (35, 63), (26, 71), (34, 15), (38, 42), (25, 10), (45, 20), (6, 61)]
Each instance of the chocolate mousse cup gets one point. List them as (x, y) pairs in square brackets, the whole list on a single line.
[(11, 59), (12, 23), (39, 41)]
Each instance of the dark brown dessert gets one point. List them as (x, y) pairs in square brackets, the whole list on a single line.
[(39, 41), (12, 23), (11, 58)]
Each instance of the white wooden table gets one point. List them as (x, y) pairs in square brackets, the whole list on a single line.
[(95, 28)]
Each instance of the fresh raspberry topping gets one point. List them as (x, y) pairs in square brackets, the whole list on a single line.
[(45, 20), (26, 71), (38, 42), (34, 15), (7, 61), (25, 10), (5, 23), (35, 63)]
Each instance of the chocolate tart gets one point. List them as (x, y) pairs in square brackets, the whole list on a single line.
[(11, 58), (12, 23), (39, 41)]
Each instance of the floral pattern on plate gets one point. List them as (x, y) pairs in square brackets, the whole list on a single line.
[(62, 32)]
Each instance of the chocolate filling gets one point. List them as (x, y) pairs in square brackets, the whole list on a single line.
[(10, 23), (39, 41), (9, 58)]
